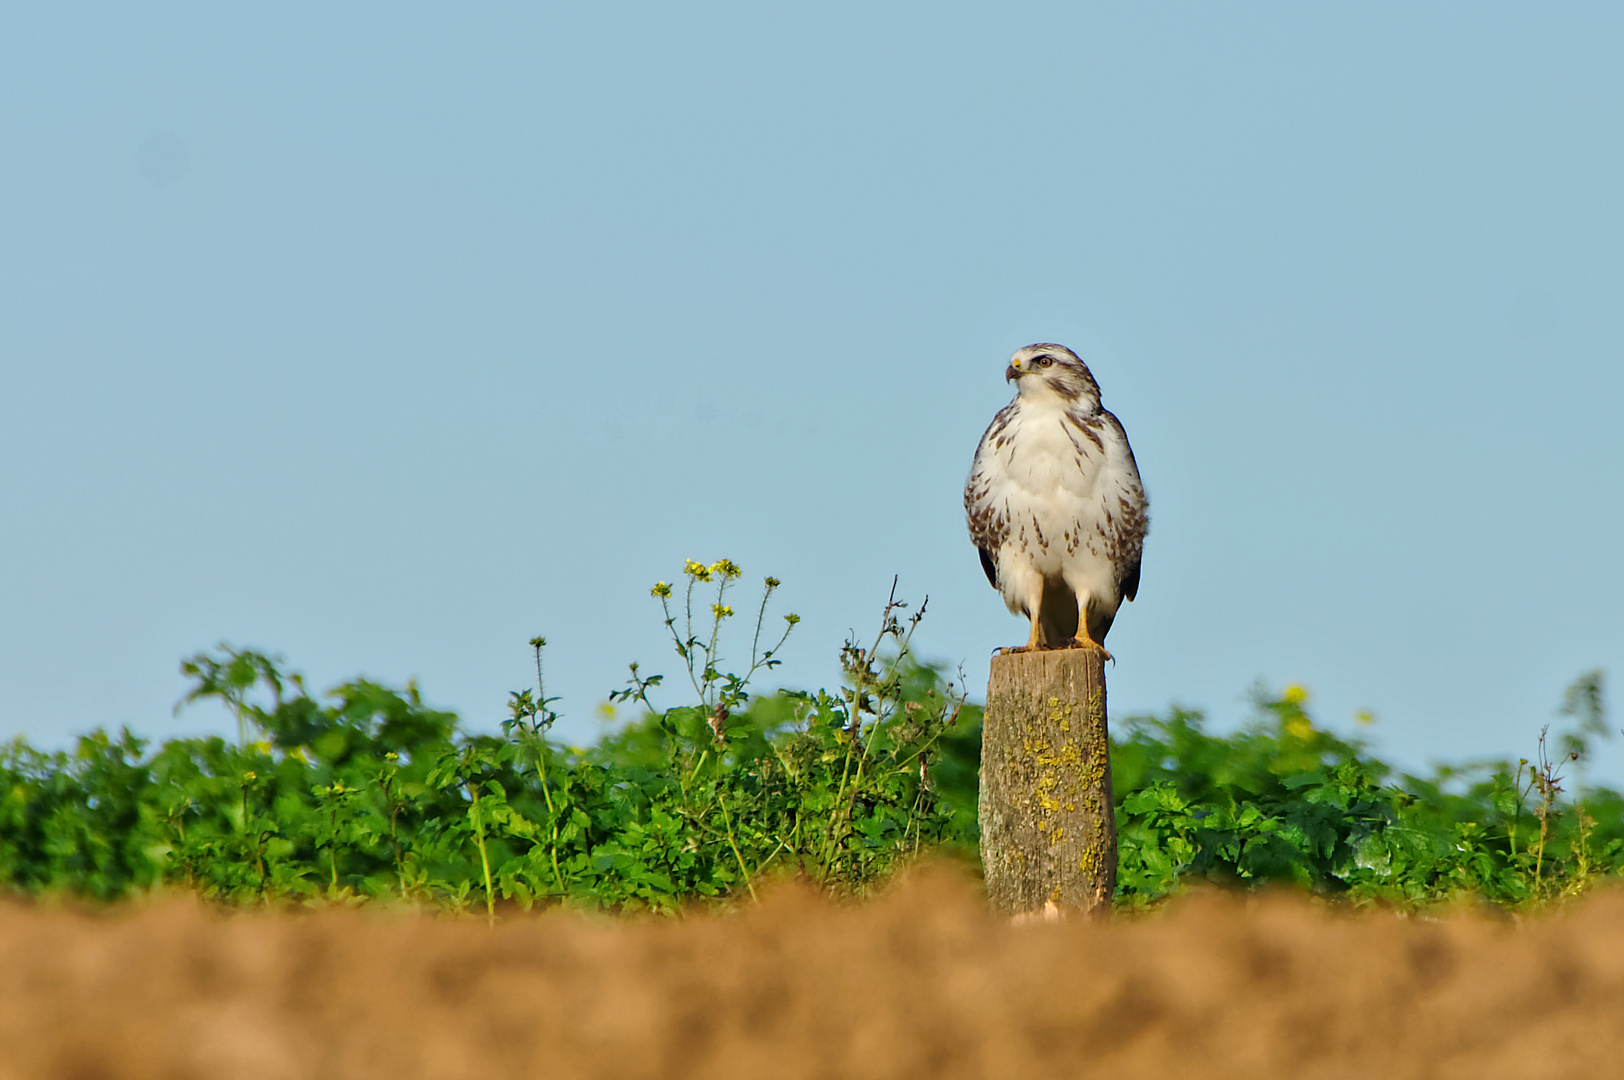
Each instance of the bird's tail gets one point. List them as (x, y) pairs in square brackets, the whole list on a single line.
[(1057, 621), (1057, 625)]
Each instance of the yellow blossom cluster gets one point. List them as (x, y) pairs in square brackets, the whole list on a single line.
[(726, 569)]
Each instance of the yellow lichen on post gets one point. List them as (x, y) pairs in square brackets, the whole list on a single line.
[(1048, 837)]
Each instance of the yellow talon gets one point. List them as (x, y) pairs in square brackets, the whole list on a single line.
[(1083, 641)]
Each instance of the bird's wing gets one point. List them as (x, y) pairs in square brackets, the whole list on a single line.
[(1123, 497), (983, 493), (1130, 581), (990, 567)]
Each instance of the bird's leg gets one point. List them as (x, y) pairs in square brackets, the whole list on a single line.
[(1032, 640), (1085, 640)]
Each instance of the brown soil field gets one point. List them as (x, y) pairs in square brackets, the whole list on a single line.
[(919, 983)]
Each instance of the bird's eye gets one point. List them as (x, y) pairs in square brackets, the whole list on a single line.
[(1044, 361)]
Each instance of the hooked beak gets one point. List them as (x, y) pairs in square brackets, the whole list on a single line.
[(1012, 373)]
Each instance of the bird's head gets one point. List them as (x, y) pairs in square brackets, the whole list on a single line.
[(1052, 372)]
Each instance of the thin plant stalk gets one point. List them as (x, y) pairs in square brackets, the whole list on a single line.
[(484, 856)]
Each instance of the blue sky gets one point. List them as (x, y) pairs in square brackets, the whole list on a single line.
[(386, 338)]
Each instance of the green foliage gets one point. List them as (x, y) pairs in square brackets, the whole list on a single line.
[(1285, 801), (370, 794), (367, 794)]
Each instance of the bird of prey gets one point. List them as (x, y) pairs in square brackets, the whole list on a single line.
[(1054, 503)]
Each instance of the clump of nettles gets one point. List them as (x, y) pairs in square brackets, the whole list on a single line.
[(834, 787), (704, 798)]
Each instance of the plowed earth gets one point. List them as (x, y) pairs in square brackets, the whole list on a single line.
[(921, 983)]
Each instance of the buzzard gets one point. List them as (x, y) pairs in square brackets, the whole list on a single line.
[(1054, 503)]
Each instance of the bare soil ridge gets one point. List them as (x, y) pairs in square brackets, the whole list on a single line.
[(920, 983)]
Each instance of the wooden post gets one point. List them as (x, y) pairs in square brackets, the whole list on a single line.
[(1048, 834)]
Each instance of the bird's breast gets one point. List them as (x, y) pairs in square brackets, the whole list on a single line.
[(1049, 457)]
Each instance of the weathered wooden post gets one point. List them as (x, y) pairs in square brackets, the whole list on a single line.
[(1048, 836)]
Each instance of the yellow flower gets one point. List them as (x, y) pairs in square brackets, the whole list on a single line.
[(1294, 695), (606, 710), (726, 567), (1364, 717), (661, 589), (696, 570), (721, 611), (1299, 727)]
